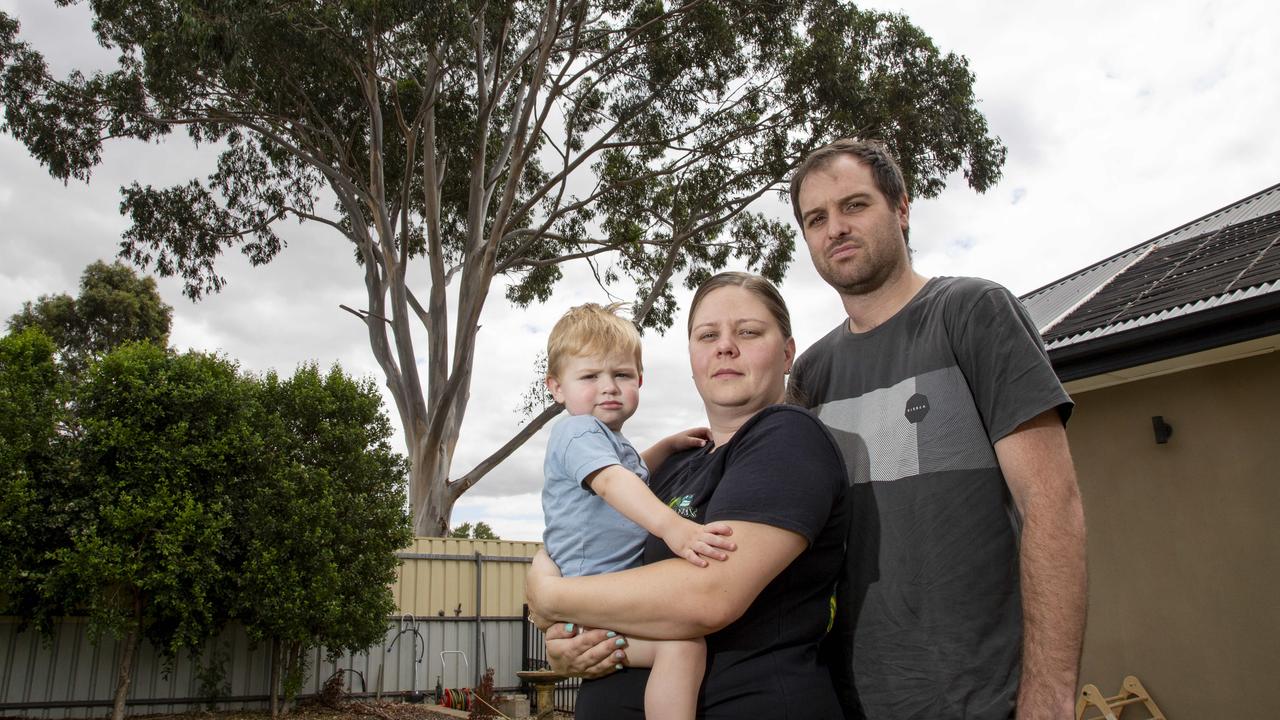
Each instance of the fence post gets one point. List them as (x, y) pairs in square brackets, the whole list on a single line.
[(479, 628)]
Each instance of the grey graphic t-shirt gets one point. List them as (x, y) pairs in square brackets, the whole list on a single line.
[(930, 615)]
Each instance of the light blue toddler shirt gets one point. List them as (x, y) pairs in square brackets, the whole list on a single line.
[(585, 536)]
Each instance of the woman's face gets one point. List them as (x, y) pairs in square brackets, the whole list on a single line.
[(737, 352)]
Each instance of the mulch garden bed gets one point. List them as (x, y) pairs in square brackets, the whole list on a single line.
[(348, 710)]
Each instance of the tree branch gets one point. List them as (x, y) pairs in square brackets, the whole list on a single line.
[(364, 314), (462, 484), (659, 283)]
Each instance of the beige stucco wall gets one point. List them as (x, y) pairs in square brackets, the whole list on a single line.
[(1184, 538)]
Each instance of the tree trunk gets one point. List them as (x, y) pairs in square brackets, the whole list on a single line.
[(429, 495), (292, 661), (432, 494), (274, 690), (286, 653), (125, 673)]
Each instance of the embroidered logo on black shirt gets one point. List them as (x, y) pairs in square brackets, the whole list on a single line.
[(683, 505)]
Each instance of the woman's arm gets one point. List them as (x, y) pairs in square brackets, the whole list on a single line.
[(671, 599)]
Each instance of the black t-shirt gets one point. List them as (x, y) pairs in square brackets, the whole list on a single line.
[(783, 469)]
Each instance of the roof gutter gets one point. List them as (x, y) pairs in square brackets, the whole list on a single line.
[(1204, 330)]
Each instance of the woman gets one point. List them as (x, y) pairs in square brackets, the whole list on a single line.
[(774, 474)]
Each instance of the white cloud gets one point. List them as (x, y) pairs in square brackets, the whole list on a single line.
[(512, 517)]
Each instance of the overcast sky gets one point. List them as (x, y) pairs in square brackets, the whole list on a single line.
[(1123, 120)]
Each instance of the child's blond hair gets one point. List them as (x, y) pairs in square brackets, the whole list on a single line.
[(591, 330)]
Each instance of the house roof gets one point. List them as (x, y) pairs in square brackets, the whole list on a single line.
[(1223, 265)]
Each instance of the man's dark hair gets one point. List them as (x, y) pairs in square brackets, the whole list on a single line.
[(872, 153)]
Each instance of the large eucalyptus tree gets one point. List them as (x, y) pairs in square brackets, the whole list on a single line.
[(451, 144)]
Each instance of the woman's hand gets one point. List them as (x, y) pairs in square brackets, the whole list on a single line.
[(583, 652), (576, 651)]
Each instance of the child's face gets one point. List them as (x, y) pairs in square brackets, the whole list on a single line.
[(607, 387)]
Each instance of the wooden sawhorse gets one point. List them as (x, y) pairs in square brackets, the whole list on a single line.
[(1112, 707)]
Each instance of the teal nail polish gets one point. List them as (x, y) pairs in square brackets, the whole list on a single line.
[(568, 627), (618, 666), (611, 634), (620, 642)]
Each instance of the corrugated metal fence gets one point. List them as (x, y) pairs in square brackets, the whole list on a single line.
[(461, 604)]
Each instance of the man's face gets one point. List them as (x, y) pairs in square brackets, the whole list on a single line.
[(854, 234)]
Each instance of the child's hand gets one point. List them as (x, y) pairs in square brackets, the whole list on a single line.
[(695, 543), (688, 439)]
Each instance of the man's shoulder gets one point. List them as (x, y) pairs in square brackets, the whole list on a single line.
[(964, 288), (954, 301)]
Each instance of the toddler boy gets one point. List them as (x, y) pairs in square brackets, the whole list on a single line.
[(596, 500)]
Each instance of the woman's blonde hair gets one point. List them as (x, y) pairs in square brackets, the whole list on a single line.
[(591, 330)]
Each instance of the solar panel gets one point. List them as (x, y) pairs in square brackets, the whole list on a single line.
[(1170, 276)]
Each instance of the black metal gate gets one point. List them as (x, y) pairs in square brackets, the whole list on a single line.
[(533, 652)]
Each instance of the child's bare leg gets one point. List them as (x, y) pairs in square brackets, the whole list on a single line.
[(641, 652), (678, 665)]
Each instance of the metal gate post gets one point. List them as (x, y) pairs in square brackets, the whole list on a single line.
[(479, 597)]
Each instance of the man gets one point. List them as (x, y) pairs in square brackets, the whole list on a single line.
[(964, 595)]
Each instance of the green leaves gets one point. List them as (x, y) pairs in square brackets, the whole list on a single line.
[(180, 230), (184, 493), (64, 122), (30, 397), (115, 306), (31, 458), (464, 144), (708, 104), (318, 536), (480, 531), (167, 442), (876, 75)]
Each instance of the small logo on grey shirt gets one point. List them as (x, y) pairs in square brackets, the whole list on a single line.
[(917, 408)]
